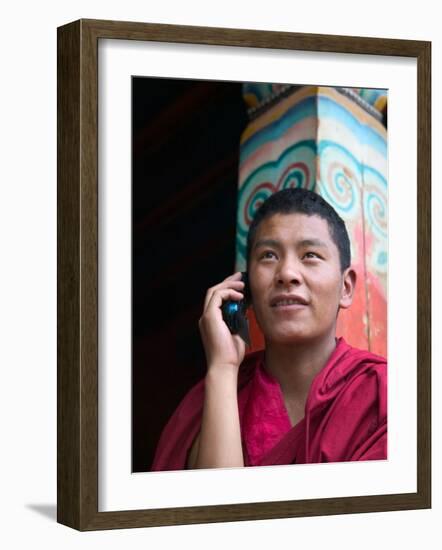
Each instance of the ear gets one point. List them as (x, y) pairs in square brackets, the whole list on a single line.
[(348, 288)]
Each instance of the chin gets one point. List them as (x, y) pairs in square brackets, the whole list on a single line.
[(286, 336)]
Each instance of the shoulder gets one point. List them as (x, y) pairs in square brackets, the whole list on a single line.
[(191, 403), (180, 431), (370, 365), (361, 365), (353, 376), (348, 361), (365, 380)]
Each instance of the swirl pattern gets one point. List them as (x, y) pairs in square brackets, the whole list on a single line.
[(340, 179), (375, 204), (376, 219), (294, 168), (296, 174)]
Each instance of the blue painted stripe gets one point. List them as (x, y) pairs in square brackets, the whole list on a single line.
[(366, 135)]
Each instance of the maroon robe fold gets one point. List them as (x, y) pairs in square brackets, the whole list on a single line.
[(345, 415)]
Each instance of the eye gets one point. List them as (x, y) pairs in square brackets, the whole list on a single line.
[(310, 255), (267, 255)]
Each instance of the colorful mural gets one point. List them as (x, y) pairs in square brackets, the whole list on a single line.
[(331, 141)]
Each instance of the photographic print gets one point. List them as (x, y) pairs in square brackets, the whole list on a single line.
[(206, 156)]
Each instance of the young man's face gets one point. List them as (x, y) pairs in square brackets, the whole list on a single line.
[(295, 279)]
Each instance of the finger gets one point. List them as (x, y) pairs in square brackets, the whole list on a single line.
[(220, 295), (234, 277), (227, 283), (239, 342), (240, 346)]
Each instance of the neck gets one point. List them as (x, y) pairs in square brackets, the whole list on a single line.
[(296, 365)]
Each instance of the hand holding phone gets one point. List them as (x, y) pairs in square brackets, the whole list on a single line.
[(222, 347), (234, 313)]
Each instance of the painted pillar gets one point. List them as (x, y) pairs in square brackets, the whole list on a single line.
[(331, 141)]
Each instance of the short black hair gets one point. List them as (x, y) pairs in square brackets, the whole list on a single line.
[(303, 201)]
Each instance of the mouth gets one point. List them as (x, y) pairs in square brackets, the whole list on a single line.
[(288, 302)]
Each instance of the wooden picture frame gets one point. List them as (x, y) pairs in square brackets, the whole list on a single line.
[(77, 225)]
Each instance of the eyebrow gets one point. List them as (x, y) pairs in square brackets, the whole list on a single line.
[(303, 243), (313, 242), (266, 242)]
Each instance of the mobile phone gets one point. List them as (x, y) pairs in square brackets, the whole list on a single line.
[(234, 312)]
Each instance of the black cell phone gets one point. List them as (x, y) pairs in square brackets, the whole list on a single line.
[(234, 312)]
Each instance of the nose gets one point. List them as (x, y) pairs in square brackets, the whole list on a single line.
[(289, 273)]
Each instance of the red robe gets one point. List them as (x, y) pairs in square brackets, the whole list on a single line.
[(345, 415)]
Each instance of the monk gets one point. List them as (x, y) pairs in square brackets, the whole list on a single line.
[(308, 397)]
